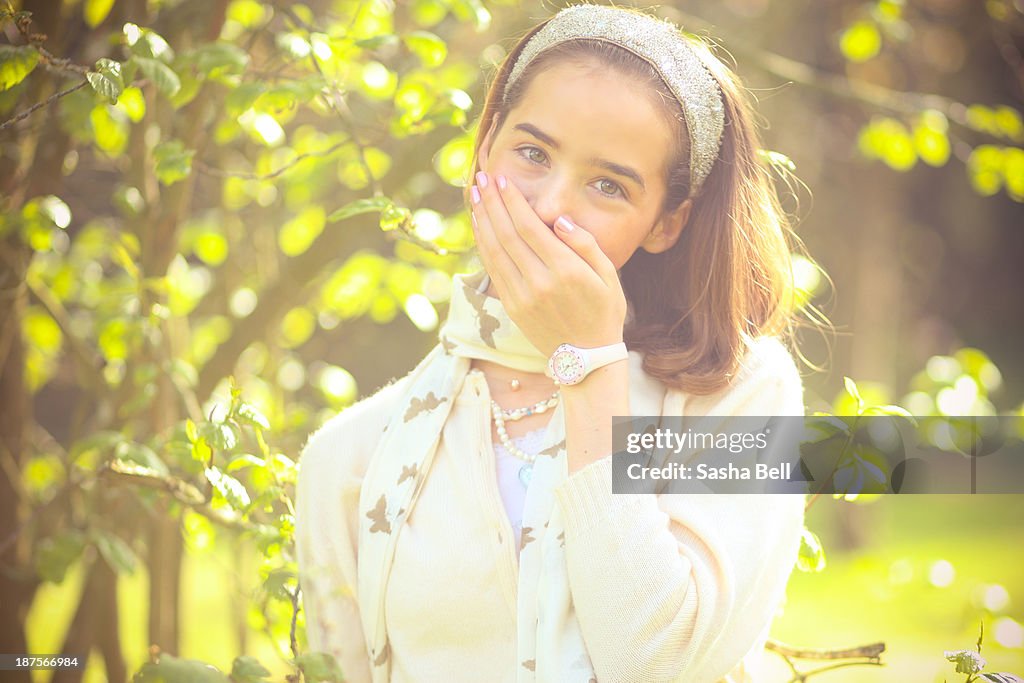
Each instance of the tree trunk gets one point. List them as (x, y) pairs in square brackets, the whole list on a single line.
[(164, 564), (13, 446), (95, 625), (33, 173)]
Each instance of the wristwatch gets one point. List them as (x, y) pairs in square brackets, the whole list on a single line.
[(570, 364)]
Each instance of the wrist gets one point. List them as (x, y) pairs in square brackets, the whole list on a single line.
[(570, 365), (607, 380)]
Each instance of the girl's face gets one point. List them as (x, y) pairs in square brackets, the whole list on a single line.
[(591, 146)]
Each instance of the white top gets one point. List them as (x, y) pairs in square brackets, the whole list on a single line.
[(667, 588), (513, 492)]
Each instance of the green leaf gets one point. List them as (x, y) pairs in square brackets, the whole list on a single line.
[(430, 49), (985, 166), (356, 175), (872, 469), (56, 554), (249, 414), (173, 161), (116, 552), (898, 411), (190, 86), (41, 330), (106, 79), (229, 488), (1009, 123), (428, 12), (220, 435), (967, 661), (1001, 677), (245, 460), (97, 442), (133, 103), (147, 43), (280, 583), (16, 63), (141, 454), (888, 139), (851, 389), (395, 217), (319, 666), (173, 670), (242, 97), (472, 10), (161, 75), (359, 206), (248, 13), (861, 41), (1013, 173), (110, 129), (452, 162), (221, 56), (930, 140), (812, 555), (96, 11), (377, 42), (190, 430), (298, 234), (246, 669), (201, 451), (297, 327)]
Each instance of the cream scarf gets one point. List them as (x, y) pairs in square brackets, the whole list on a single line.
[(550, 645)]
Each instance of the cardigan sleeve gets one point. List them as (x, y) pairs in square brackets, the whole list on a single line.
[(681, 587), (331, 469)]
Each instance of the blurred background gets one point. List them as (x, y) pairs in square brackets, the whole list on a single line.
[(221, 222)]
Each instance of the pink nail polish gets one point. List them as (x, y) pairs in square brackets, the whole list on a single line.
[(502, 183), (563, 224), (481, 179), (475, 193)]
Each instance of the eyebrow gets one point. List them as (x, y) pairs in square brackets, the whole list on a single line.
[(618, 169)]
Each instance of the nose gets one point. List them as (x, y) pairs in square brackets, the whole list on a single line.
[(550, 197)]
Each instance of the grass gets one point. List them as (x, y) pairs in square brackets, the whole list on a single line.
[(877, 587), (881, 588)]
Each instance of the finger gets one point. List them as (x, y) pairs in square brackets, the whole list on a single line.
[(505, 229), (497, 262), (533, 231), (584, 244)]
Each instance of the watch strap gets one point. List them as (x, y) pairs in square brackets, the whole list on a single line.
[(590, 360), (604, 355)]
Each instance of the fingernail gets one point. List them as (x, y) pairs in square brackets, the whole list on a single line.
[(502, 183), (564, 225), (475, 193), (481, 179)]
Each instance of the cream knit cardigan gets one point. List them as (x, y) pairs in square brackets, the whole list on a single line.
[(664, 588)]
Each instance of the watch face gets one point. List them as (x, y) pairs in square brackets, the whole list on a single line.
[(567, 366)]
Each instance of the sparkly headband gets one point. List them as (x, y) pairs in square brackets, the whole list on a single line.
[(661, 45)]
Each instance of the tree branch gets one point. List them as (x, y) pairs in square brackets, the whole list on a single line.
[(21, 116), (862, 92), (873, 651), (868, 653), (220, 173), (181, 491), (89, 360)]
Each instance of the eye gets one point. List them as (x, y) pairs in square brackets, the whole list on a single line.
[(610, 188), (533, 154)]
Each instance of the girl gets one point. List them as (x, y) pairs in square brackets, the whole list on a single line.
[(460, 524)]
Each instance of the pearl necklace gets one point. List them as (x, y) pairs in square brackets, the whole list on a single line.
[(501, 416)]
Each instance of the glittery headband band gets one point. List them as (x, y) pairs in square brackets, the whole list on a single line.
[(661, 45)]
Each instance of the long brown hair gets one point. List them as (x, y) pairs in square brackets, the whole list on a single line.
[(728, 279)]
